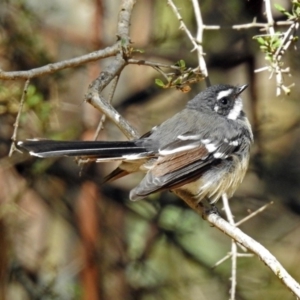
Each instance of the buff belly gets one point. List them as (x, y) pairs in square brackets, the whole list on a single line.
[(223, 178)]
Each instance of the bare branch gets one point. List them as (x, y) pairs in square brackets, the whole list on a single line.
[(286, 41), (233, 247), (124, 20), (271, 31), (94, 97), (151, 64), (199, 39), (235, 233), (255, 213), (269, 17), (16, 124), (197, 43), (70, 63), (110, 97)]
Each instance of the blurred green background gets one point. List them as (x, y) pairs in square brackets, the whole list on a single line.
[(65, 236)]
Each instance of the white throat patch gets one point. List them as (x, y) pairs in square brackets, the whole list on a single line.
[(236, 110)]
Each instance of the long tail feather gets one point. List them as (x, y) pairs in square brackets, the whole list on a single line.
[(98, 149)]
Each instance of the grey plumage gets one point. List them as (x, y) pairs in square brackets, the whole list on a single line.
[(203, 150)]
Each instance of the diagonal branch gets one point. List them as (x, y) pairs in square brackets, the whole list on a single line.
[(239, 236), (69, 63), (93, 95)]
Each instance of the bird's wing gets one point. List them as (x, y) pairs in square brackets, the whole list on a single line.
[(184, 160)]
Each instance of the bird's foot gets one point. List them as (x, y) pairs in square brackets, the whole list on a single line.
[(208, 208)]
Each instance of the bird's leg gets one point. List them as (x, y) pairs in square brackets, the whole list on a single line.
[(208, 208)]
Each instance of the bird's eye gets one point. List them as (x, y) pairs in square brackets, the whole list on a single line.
[(224, 101)]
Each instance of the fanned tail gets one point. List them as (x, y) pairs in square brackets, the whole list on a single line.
[(95, 149)]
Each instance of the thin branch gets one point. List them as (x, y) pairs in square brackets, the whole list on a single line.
[(124, 20), (250, 25), (253, 24), (255, 213), (151, 64), (199, 39), (239, 236), (16, 124), (261, 69), (69, 63), (233, 247), (219, 262), (196, 43), (114, 69), (286, 41), (269, 17), (271, 31), (109, 99), (94, 97)]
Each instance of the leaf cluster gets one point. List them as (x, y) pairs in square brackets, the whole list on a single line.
[(181, 78)]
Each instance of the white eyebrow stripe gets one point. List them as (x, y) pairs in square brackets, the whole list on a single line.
[(236, 110), (224, 94)]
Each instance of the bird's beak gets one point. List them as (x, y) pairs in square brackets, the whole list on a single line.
[(240, 89)]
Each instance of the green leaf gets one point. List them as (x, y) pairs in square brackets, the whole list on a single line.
[(260, 40), (139, 51), (280, 8), (159, 82), (33, 100), (182, 64)]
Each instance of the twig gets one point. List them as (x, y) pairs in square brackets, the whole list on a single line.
[(151, 64), (269, 17), (219, 262), (182, 24), (69, 63), (250, 25), (247, 25), (261, 69), (16, 124), (110, 97), (286, 41), (196, 42), (271, 31), (239, 236), (255, 213), (233, 247), (199, 39), (124, 20), (94, 97)]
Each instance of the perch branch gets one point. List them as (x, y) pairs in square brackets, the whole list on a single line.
[(253, 246)]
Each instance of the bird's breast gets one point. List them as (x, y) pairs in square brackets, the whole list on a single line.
[(222, 178)]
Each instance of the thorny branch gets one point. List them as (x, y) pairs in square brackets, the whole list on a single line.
[(275, 44), (197, 42)]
